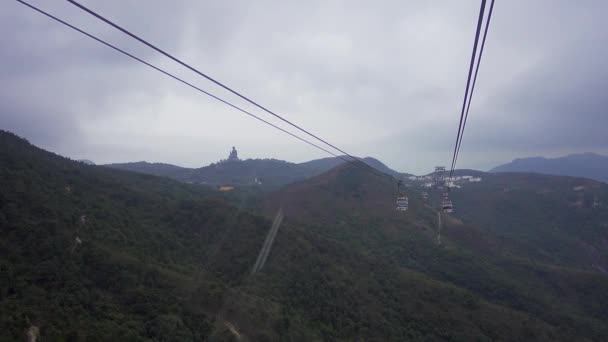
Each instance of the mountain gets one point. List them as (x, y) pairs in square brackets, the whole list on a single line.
[(266, 173), (93, 253), (526, 248), (90, 253), (588, 165), (552, 219)]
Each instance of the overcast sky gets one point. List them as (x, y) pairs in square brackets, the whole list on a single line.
[(376, 78)]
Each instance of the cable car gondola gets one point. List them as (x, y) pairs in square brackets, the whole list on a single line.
[(402, 200), (402, 203), (446, 204)]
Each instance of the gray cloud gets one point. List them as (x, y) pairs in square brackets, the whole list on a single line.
[(383, 79)]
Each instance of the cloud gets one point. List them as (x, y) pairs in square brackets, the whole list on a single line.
[(383, 79)]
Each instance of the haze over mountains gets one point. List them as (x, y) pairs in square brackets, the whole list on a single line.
[(272, 173), (588, 165), (94, 253), (267, 173)]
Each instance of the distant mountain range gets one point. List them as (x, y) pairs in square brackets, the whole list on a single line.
[(587, 165), (269, 173)]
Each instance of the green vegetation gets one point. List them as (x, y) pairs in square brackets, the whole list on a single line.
[(161, 260), (561, 220), (154, 258)]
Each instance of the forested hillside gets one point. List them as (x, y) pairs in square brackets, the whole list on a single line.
[(562, 220), (528, 277), (90, 253)]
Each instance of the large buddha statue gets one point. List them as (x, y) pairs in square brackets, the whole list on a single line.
[(233, 155)]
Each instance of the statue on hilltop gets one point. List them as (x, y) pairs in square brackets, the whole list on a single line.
[(233, 155)]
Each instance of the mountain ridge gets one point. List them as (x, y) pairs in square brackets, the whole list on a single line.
[(269, 173), (588, 165)]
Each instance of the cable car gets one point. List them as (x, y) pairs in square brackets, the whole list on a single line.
[(402, 203), (446, 204), (402, 200)]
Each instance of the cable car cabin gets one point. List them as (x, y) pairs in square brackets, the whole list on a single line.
[(446, 205), (402, 203)]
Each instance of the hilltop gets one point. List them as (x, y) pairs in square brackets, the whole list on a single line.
[(588, 165), (87, 161)]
